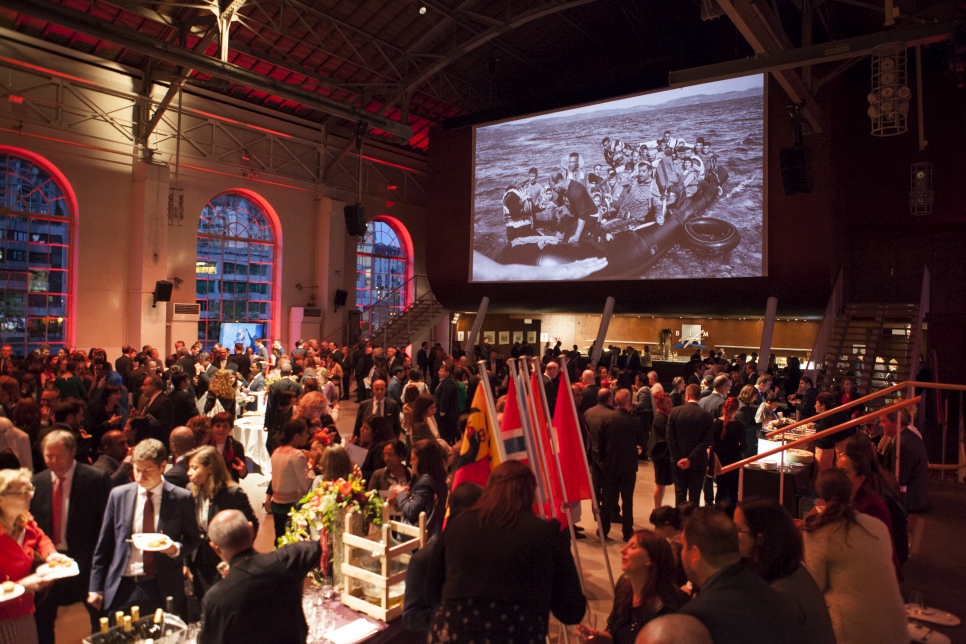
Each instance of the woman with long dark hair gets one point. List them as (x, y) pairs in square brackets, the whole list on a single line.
[(771, 545), (729, 447), (428, 493), (848, 553), (503, 591), (646, 590)]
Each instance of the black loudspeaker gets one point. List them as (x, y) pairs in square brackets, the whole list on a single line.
[(162, 292), (796, 177), (355, 220), (340, 298)]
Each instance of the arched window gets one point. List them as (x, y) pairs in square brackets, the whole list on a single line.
[(235, 270), (383, 270), (36, 283)]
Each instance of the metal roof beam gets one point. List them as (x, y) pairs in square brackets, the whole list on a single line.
[(184, 57)]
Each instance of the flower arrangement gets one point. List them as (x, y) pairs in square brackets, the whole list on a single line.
[(320, 515), (322, 438), (663, 336)]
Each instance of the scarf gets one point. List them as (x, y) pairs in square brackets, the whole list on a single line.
[(229, 452)]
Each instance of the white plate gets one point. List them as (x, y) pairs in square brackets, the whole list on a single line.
[(58, 572), (17, 592), (933, 615), (926, 635), (142, 541)]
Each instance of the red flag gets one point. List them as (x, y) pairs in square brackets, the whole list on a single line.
[(570, 446), (546, 448)]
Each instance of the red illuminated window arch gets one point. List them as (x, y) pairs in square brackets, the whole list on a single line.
[(384, 268), (237, 269), (38, 235)]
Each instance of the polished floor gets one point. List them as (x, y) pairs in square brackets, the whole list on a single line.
[(937, 564)]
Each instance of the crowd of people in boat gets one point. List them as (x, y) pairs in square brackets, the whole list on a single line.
[(635, 186)]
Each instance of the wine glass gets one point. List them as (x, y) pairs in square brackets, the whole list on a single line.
[(326, 587), (917, 602)]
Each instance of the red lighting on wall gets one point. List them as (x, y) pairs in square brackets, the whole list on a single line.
[(391, 187), (16, 100), (390, 204)]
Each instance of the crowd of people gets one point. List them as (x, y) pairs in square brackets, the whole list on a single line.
[(130, 449)]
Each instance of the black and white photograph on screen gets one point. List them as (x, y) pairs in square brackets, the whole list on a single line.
[(665, 185)]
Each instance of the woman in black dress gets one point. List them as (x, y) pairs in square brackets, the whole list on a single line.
[(729, 447), (646, 590), (657, 447)]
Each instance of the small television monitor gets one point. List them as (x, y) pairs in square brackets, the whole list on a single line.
[(244, 332)]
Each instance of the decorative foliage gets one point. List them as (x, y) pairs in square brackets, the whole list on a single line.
[(326, 505), (663, 336)]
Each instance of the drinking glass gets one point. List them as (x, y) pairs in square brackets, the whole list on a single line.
[(326, 588), (916, 601)]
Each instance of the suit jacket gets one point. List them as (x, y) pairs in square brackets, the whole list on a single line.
[(723, 607), (183, 407), (590, 398), (447, 402), (177, 474), (390, 409), (712, 403), (176, 518), (271, 399), (204, 562), (620, 434), (595, 417), (204, 379), (689, 435), (89, 490), (244, 364), (123, 366), (260, 600), (156, 421)]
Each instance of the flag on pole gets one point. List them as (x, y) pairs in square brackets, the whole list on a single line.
[(483, 428), (570, 445), (511, 428), (543, 439)]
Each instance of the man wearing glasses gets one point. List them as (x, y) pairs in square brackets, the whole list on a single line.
[(68, 506)]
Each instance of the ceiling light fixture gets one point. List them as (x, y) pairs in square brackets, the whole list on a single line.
[(422, 10)]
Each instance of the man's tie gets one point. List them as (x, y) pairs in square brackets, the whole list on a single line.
[(378, 408), (147, 526), (57, 509)]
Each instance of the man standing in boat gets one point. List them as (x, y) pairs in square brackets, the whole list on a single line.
[(669, 184)]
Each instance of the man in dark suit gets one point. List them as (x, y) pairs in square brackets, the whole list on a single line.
[(183, 403), (595, 417), (204, 378), (122, 575), (804, 400), (362, 365), (379, 405), (260, 599), (712, 561), (182, 441), (713, 402), (68, 504), (447, 403), (688, 439), (125, 363), (591, 388), (243, 362), (285, 383), (154, 417), (620, 435)]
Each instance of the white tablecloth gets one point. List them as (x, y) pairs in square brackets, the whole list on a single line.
[(250, 432)]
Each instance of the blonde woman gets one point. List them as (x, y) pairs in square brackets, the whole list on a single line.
[(222, 390), (21, 542), (313, 408), (214, 491)]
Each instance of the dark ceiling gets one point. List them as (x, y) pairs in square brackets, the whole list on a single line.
[(459, 57)]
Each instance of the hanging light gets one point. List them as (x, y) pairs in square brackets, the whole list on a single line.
[(889, 98), (920, 189)]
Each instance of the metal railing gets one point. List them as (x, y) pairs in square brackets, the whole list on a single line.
[(862, 420), (378, 317)]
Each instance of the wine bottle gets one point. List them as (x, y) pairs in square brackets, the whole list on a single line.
[(119, 618), (103, 635), (169, 604), (127, 633), (155, 630)]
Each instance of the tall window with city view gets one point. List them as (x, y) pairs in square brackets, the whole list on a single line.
[(235, 268), (35, 284), (382, 270)]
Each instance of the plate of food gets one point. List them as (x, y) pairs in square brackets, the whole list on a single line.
[(58, 569), (151, 541), (10, 590)]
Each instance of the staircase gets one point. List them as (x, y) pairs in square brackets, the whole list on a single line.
[(874, 344), (390, 326)]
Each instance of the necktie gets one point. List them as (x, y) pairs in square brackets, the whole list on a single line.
[(147, 526), (379, 408), (57, 509)]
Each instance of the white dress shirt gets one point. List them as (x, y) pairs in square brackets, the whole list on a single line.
[(135, 564), (60, 539)]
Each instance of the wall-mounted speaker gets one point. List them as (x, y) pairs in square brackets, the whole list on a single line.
[(355, 219), (162, 292), (796, 176), (340, 298)]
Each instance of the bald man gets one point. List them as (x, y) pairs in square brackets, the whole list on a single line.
[(674, 629), (260, 598), (181, 442)]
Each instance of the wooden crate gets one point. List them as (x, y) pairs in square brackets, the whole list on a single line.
[(386, 553)]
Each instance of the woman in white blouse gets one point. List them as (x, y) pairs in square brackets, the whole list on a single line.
[(293, 471), (214, 491)]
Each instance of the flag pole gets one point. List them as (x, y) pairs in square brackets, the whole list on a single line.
[(525, 428), (590, 481), (540, 462), (563, 484), (496, 437)]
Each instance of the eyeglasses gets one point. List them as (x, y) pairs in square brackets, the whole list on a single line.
[(27, 492)]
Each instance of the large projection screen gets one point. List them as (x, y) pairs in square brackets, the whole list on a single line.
[(664, 185)]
